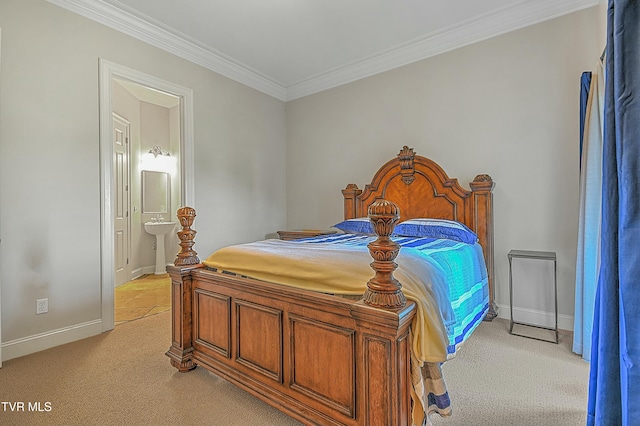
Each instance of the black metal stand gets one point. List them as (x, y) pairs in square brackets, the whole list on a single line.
[(541, 255)]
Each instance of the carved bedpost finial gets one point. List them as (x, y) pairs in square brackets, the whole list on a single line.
[(482, 183), (383, 290), (406, 156), (187, 255), (350, 194)]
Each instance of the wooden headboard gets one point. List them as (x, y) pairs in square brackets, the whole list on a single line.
[(421, 188)]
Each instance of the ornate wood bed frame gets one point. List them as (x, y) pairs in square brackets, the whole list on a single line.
[(319, 358)]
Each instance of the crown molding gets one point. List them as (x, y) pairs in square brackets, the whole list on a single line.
[(465, 33), (497, 22), (150, 31)]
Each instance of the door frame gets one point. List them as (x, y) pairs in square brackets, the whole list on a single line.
[(107, 72)]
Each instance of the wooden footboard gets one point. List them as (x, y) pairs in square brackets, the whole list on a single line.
[(319, 358)]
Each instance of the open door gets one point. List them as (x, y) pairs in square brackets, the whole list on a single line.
[(122, 199)]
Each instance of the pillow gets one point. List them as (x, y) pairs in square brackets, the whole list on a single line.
[(436, 228), (361, 225)]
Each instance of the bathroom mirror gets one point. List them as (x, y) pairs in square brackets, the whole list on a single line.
[(155, 192)]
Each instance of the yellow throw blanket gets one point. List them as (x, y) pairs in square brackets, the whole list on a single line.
[(345, 270)]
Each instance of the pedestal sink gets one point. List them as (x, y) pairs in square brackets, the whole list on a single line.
[(160, 229)]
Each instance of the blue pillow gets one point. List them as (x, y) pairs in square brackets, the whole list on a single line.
[(436, 228), (361, 225)]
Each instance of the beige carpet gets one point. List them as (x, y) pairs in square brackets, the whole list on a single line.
[(124, 378), (502, 380)]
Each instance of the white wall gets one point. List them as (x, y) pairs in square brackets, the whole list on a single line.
[(49, 165), (507, 106)]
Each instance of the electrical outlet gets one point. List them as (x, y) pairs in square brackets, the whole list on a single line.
[(42, 306)]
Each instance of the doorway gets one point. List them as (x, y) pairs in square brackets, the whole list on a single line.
[(148, 90), (146, 143)]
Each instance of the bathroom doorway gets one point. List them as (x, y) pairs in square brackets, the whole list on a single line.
[(146, 176), (160, 141), (146, 190)]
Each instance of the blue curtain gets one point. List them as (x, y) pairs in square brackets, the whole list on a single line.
[(614, 382)]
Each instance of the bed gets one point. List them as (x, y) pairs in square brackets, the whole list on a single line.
[(343, 357)]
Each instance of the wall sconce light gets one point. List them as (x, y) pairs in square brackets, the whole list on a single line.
[(158, 160), (157, 150)]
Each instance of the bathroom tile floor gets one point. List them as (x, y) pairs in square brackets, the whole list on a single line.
[(142, 297)]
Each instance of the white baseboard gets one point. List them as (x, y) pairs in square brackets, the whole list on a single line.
[(151, 270), (145, 270), (136, 273), (534, 317), (39, 342)]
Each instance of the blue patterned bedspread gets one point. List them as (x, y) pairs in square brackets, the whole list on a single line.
[(463, 267)]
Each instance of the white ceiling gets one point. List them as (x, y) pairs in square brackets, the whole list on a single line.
[(292, 48)]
